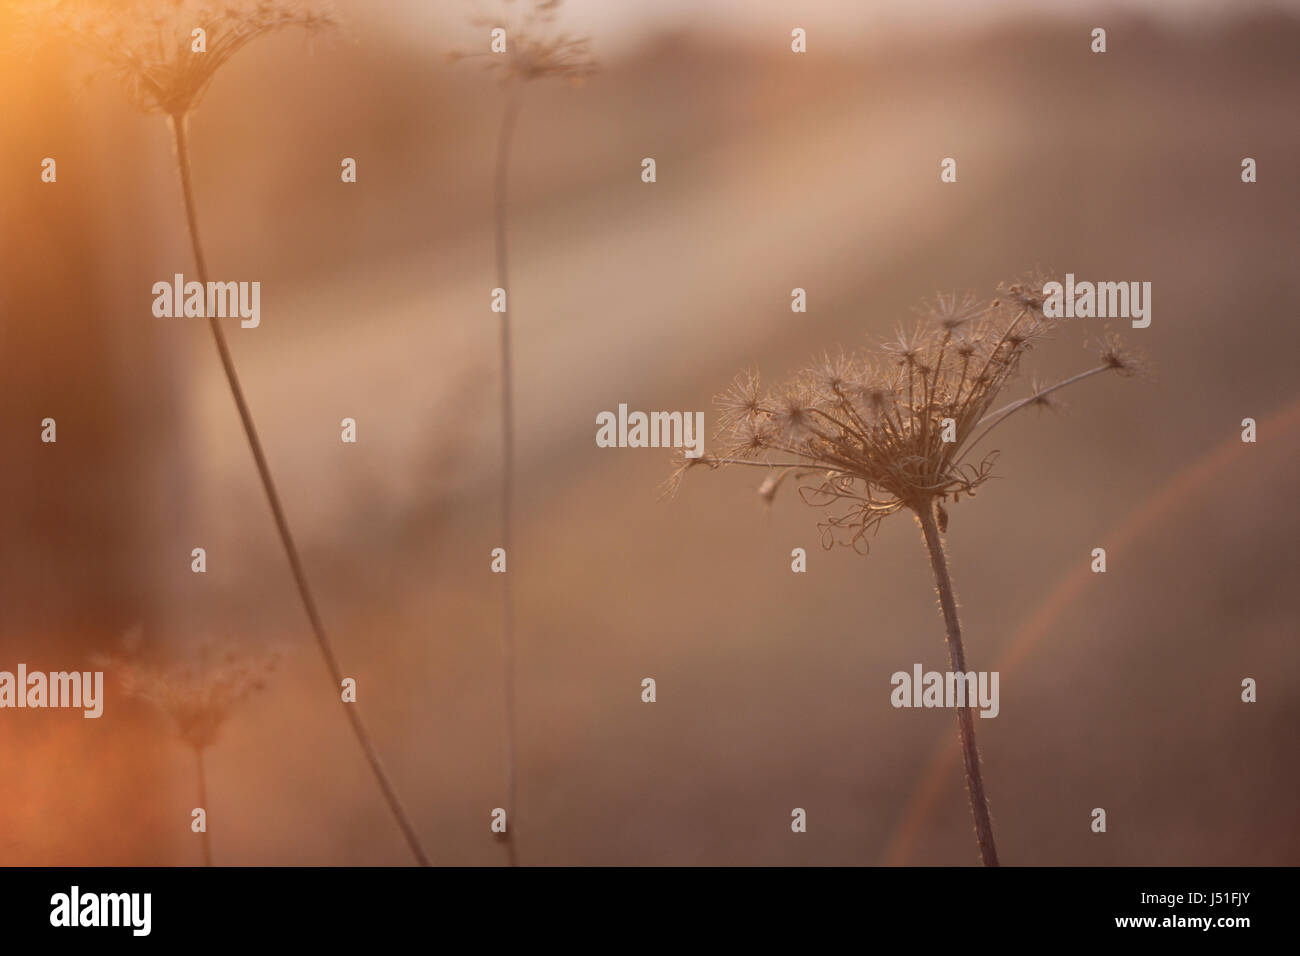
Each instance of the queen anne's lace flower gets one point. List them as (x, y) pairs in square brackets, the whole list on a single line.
[(893, 428), (149, 44)]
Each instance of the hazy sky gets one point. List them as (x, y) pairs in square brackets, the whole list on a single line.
[(617, 23)]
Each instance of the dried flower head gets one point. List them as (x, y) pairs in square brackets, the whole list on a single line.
[(893, 428), (149, 44), (950, 312), (1116, 355), (197, 696), (533, 49), (1027, 292)]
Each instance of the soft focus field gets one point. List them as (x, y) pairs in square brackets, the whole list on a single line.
[(1118, 690)]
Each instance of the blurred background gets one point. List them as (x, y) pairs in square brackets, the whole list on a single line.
[(775, 170)]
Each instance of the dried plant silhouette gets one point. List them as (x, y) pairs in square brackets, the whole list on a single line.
[(529, 50), (150, 46), (870, 434), (197, 698)]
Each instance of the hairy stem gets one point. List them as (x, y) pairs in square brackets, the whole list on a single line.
[(281, 523), (957, 663), (205, 840), (507, 473)]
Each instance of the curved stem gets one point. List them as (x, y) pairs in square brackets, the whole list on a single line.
[(205, 840), (273, 498), (995, 418), (957, 663), (507, 473)]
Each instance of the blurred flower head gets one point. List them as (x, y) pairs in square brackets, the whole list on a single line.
[(533, 48), (196, 695), (149, 44)]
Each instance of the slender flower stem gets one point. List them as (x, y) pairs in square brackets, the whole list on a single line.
[(281, 523), (957, 663), (765, 464), (204, 839), (504, 139), (995, 418)]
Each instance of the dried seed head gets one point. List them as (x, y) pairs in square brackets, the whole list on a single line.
[(681, 465), (793, 414), (751, 437), (905, 345), (1027, 293), (149, 44), (196, 695), (533, 49), (833, 374), (950, 312), (1115, 354), (1039, 396), (894, 429), (741, 402)]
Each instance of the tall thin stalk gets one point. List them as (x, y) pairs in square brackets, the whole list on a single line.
[(979, 803), (530, 50), (871, 434), (177, 121), (204, 839), (504, 139)]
